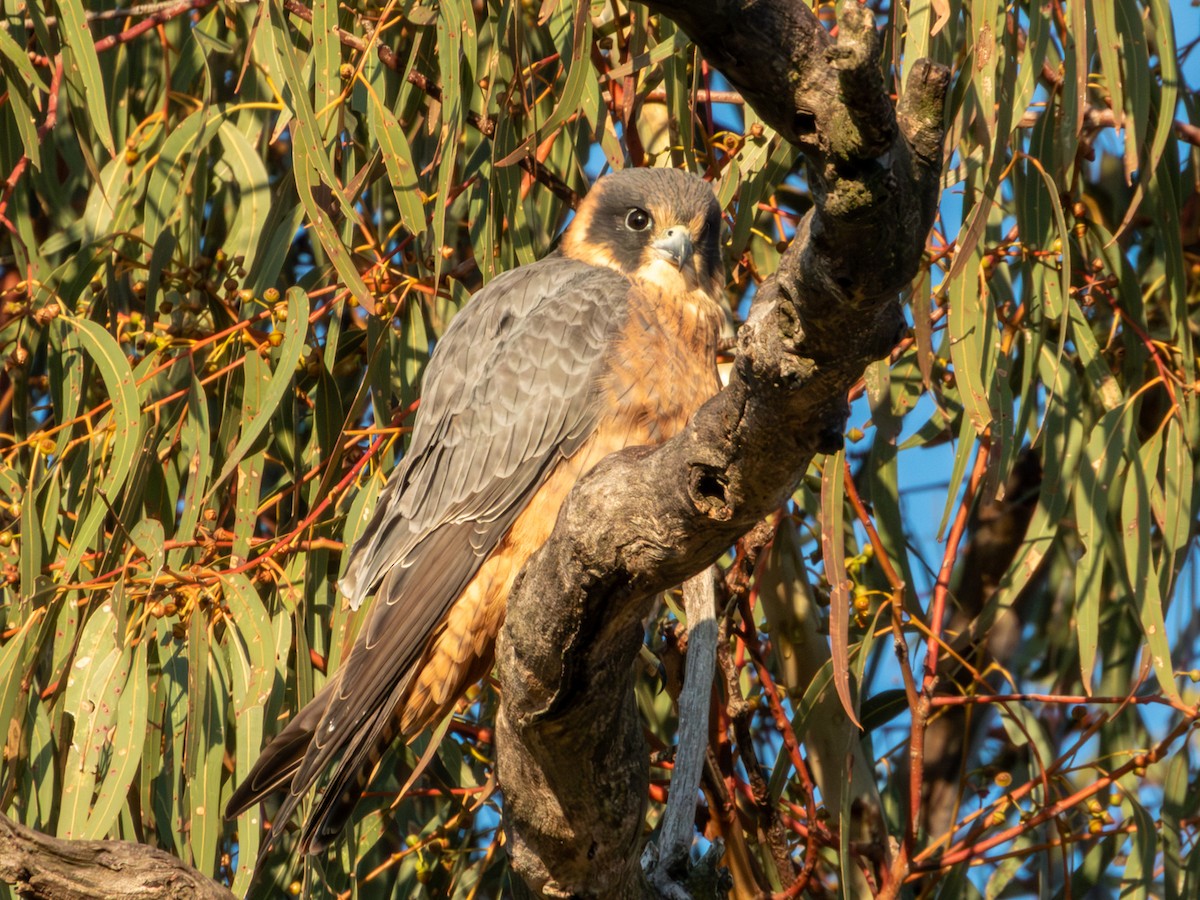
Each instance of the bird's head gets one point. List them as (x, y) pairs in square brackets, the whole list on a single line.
[(661, 225)]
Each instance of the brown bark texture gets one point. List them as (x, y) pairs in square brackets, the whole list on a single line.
[(571, 758), (45, 867)]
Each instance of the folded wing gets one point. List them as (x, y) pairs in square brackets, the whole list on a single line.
[(509, 392)]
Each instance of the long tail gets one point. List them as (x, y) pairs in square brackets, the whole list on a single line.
[(279, 762), (336, 804), (411, 711), (281, 770), (295, 761)]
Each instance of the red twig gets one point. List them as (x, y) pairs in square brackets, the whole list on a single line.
[(134, 31), (1138, 761), (921, 706), (149, 23), (784, 726), (333, 494), (937, 613), (104, 43), (1064, 699), (1187, 132), (918, 708), (44, 129), (941, 590)]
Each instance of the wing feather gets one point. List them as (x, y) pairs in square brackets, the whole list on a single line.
[(510, 391)]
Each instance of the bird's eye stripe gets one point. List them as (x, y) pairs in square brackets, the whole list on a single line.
[(637, 219)]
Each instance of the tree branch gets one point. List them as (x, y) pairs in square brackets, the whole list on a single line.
[(667, 862), (38, 866), (571, 756)]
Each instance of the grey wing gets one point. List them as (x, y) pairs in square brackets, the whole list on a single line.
[(509, 388), (510, 391)]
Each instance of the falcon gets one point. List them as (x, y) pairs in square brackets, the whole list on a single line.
[(609, 342)]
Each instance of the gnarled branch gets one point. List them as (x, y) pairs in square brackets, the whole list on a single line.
[(43, 867), (571, 757)]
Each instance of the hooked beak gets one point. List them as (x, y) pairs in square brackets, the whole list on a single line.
[(675, 246)]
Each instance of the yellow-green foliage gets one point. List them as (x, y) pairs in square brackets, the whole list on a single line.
[(203, 202)]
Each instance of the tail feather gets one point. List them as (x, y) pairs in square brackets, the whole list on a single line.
[(346, 729), (336, 805), (354, 771), (280, 760), (284, 768)]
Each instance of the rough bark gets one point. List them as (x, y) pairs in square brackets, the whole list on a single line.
[(44, 867), (571, 756)]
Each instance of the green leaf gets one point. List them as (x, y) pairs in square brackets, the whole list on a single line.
[(1103, 382), (1106, 446), (1025, 729), (886, 504), (1178, 499), (161, 256), (295, 331), (309, 145), (920, 21), (17, 655), (175, 169), (832, 552), (119, 444), (972, 342), (1166, 102), (579, 66), (1061, 444), (1042, 221), (677, 82), (19, 58), (249, 175), (254, 666), (311, 161), (95, 681), (761, 164), (195, 452), (1139, 865), (207, 695), (962, 453), (449, 43), (81, 68), (1136, 518), (24, 86), (309, 183), (402, 173), (881, 708), (250, 469), (1103, 14), (1008, 868), (107, 201), (125, 752), (1175, 809), (1037, 47), (326, 59), (284, 219)]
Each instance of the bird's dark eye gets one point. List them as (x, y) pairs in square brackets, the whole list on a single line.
[(637, 220)]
